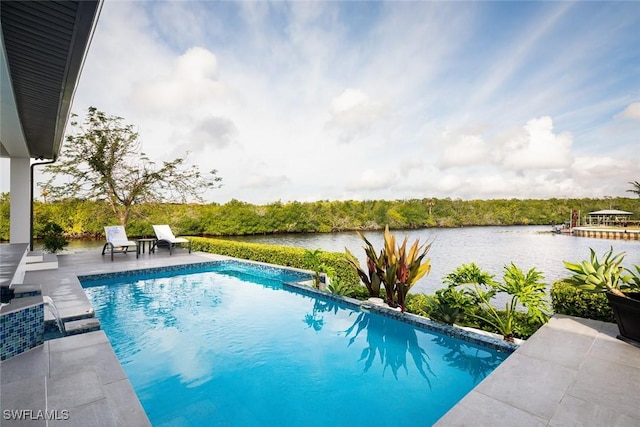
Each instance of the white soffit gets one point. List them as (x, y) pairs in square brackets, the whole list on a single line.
[(11, 134)]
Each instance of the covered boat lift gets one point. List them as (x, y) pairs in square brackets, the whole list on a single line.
[(609, 217)]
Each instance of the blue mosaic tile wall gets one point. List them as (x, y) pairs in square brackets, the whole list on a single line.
[(262, 270), (26, 294), (21, 331)]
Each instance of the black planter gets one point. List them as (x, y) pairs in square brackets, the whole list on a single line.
[(627, 314)]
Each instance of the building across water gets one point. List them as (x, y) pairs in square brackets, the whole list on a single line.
[(610, 218), (603, 224)]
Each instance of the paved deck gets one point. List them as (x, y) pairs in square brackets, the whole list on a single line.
[(77, 379), (571, 372)]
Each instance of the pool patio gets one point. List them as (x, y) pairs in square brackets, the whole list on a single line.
[(571, 372)]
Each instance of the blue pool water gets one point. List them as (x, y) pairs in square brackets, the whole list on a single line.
[(230, 347)]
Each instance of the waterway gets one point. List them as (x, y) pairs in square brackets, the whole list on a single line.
[(491, 248)]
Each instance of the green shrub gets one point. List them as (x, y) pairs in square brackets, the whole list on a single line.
[(523, 325), (359, 292), (430, 306), (451, 305), (54, 239), (567, 299), (280, 255), (419, 304), (448, 305)]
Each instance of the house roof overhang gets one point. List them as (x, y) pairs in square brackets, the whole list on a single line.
[(44, 44)]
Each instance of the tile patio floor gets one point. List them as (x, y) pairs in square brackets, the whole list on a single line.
[(571, 372)]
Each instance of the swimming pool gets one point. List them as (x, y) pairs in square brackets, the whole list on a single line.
[(225, 344)]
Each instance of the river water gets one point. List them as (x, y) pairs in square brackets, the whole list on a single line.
[(489, 247)]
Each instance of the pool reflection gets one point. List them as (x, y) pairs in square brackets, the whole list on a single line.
[(469, 358), (394, 342), (391, 341)]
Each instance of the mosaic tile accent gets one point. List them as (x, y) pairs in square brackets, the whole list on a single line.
[(257, 269), (265, 270), (21, 330), (27, 293), (418, 321)]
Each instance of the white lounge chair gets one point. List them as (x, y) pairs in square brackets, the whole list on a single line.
[(117, 241), (165, 235)]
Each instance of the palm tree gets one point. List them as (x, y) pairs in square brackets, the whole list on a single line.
[(636, 190)]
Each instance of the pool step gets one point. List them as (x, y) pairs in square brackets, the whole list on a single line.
[(42, 262), (33, 256)]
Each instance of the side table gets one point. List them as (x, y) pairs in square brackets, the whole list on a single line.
[(143, 242)]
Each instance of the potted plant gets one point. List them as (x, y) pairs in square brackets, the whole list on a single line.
[(621, 285)]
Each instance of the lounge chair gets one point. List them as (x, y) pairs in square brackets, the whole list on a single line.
[(165, 236), (117, 241)]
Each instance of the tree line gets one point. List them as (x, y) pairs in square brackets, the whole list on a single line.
[(109, 180), (87, 218)]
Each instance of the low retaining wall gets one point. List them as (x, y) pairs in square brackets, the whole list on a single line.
[(617, 234)]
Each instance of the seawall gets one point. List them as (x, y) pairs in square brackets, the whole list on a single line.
[(607, 233)]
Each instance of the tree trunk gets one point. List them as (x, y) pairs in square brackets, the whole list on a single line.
[(124, 217)]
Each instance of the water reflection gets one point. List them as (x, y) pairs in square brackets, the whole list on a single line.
[(149, 318), (314, 319), (469, 358), (391, 341)]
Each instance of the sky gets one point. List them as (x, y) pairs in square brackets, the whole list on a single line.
[(339, 100)]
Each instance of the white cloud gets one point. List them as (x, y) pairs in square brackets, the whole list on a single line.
[(124, 50), (217, 132), (448, 184), (264, 181), (190, 28), (464, 150), (339, 100), (192, 82), (353, 115), (631, 112), (372, 180), (411, 164), (591, 170), (537, 147), (348, 100), (515, 53)]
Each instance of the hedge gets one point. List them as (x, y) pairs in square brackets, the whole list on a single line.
[(566, 299), (279, 255)]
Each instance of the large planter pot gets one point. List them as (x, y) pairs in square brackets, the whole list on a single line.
[(627, 314)]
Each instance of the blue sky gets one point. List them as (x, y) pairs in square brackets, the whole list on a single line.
[(378, 100)]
